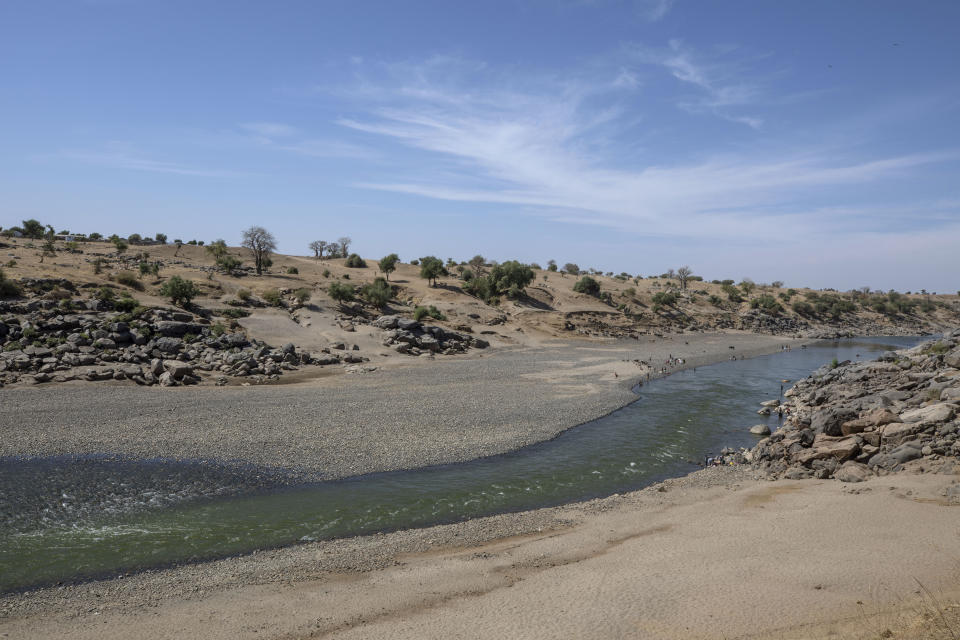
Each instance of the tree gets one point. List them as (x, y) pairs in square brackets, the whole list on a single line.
[(477, 262), (179, 244), (571, 268), (120, 245), (218, 249), (180, 291), (511, 277), (161, 238), (134, 238), (683, 275), (587, 285), (388, 264), (551, 265), (341, 292), (261, 242), (378, 293), (432, 268), (748, 285), (318, 246), (32, 229), (344, 243), (48, 249), (355, 262), (95, 236)]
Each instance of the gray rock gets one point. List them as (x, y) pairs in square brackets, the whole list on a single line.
[(168, 345), (760, 430), (852, 472), (408, 324), (104, 343), (177, 369), (830, 421), (386, 322)]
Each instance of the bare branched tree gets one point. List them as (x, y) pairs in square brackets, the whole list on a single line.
[(344, 243), (261, 242), (683, 275)]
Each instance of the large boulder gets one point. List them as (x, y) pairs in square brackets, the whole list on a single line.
[(167, 345), (760, 430), (386, 322), (830, 421), (851, 471), (177, 369), (952, 359), (876, 418), (932, 414), (175, 328), (894, 434), (829, 447)]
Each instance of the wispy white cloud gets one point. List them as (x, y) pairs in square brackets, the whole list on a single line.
[(547, 149), (653, 10), (720, 88), (119, 159)]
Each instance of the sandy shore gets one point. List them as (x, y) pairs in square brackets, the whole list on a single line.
[(716, 554), (398, 417)]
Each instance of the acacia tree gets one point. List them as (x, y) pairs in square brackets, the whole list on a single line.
[(261, 242), (683, 275), (32, 229), (476, 263), (388, 264), (432, 268)]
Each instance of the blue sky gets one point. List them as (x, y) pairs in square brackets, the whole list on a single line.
[(810, 142)]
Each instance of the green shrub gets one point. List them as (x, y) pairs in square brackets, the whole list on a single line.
[(180, 291), (586, 285), (715, 300), (272, 297), (802, 308), (341, 292), (733, 295), (105, 294), (377, 293), (8, 288), (326, 273), (767, 303), (232, 313), (423, 312), (125, 304), (228, 263), (292, 271), (13, 345), (302, 295), (244, 295), (217, 329), (129, 279), (664, 298), (356, 262)]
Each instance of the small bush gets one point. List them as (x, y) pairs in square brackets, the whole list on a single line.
[(232, 313), (586, 285), (272, 297), (292, 271), (802, 308), (341, 292), (129, 279), (228, 263), (664, 298), (180, 291), (326, 273), (105, 294), (8, 288), (356, 262), (423, 312), (767, 303), (715, 300), (244, 295), (217, 329), (302, 295), (125, 304), (378, 293)]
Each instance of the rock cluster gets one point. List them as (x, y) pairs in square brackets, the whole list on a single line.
[(410, 337), (859, 419), (42, 342)]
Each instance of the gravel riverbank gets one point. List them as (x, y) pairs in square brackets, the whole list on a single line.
[(400, 417)]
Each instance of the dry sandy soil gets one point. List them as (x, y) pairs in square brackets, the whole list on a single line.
[(714, 555)]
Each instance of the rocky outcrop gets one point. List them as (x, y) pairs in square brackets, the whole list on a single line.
[(410, 337), (867, 418), (41, 342)]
